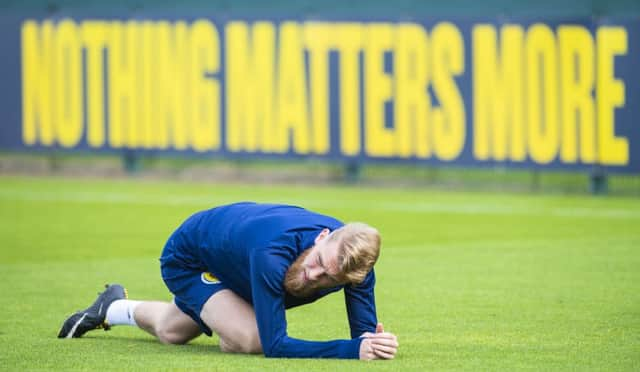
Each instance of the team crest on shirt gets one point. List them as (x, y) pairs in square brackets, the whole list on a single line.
[(208, 278)]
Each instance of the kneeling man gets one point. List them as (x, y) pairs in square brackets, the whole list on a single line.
[(234, 270)]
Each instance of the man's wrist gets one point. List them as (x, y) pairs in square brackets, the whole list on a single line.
[(355, 352)]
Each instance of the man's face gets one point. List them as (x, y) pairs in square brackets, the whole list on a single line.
[(314, 269)]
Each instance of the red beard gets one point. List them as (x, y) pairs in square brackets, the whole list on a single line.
[(294, 282)]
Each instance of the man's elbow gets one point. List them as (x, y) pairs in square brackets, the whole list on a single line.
[(275, 350), (274, 353)]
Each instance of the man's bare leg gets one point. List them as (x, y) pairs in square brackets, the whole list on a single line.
[(112, 308), (166, 321), (234, 320), (225, 313)]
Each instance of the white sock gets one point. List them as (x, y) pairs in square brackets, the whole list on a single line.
[(120, 312)]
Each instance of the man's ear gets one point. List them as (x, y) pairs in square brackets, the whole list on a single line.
[(323, 234)]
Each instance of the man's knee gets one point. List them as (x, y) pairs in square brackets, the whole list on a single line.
[(234, 320), (246, 343), (168, 336)]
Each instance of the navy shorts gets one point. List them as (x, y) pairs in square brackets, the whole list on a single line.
[(191, 287)]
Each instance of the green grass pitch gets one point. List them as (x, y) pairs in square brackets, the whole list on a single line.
[(468, 281)]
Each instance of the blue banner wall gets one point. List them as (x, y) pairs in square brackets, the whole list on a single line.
[(515, 92)]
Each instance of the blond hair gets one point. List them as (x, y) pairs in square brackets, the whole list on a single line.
[(358, 250)]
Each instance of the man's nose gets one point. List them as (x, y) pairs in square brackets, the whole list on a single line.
[(315, 272)]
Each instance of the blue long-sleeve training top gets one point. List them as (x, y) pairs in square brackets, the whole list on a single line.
[(249, 247)]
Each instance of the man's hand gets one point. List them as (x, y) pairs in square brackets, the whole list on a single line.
[(379, 345)]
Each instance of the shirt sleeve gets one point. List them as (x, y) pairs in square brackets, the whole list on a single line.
[(361, 306), (268, 268)]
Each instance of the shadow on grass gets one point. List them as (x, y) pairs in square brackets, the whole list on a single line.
[(153, 345)]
